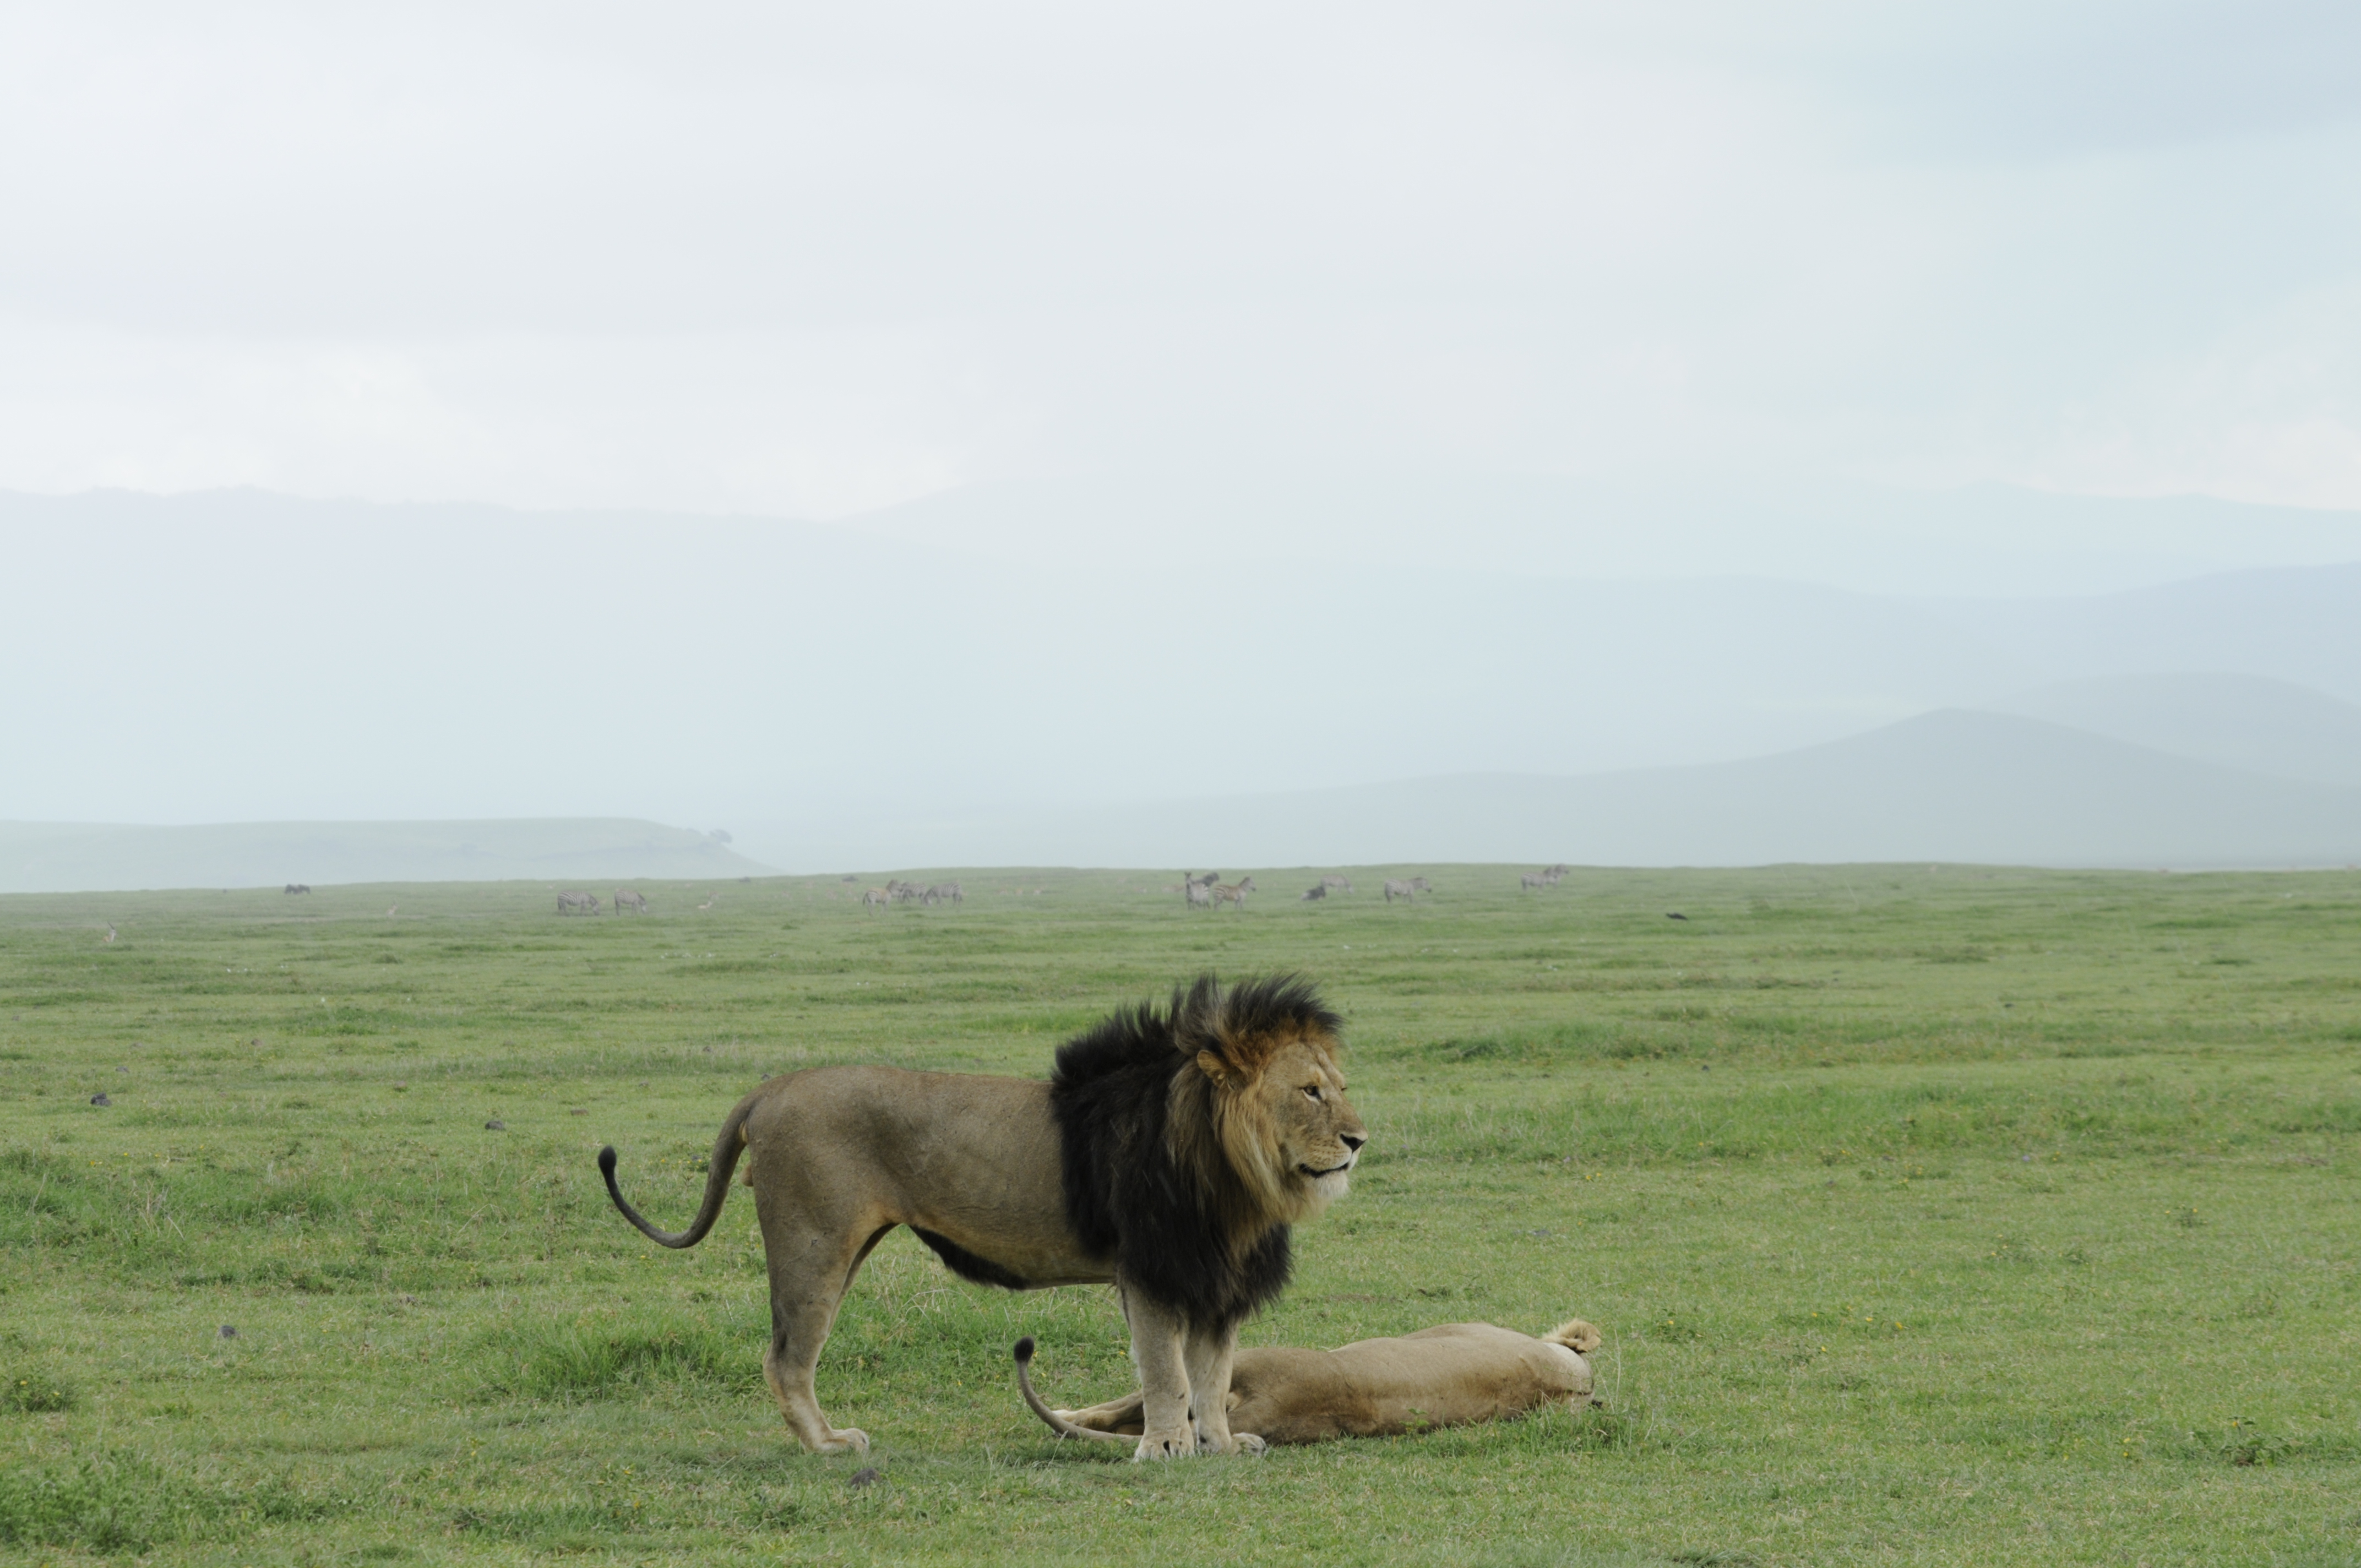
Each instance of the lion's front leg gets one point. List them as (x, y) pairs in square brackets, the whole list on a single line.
[(1208, 1354), (1158, 1349)]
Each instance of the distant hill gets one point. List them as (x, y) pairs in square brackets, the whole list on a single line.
[(1952, 786), (239, 657), (2249, 722), (50, 857)]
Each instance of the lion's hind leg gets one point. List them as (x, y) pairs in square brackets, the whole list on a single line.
[(1125, 1415), (812, 1265)]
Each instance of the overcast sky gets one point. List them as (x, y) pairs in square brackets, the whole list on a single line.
[(814, 260)]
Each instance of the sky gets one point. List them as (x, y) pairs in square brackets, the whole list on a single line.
[(816, 260)]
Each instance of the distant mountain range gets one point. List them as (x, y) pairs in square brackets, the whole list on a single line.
[(52, 856), (1951, 785), (920, 689)]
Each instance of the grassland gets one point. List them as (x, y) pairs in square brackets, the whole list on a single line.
[(1935, 1215)]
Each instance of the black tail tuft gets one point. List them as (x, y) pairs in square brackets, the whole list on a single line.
[(1024, 1350), (607, 1162)]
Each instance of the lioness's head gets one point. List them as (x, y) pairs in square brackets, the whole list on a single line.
[(1265, 1096)]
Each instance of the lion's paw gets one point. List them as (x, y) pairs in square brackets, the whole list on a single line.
[(1250, 1444), (1180, 1445), (845, 1440)]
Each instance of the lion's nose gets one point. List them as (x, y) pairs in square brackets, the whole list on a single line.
[(1353, 1143)]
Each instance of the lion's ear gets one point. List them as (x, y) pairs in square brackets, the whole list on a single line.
[(1212, 1066)]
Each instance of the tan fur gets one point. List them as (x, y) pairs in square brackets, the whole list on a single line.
[(1450, 1375), (839, 1156)]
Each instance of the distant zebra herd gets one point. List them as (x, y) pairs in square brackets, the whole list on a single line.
[(895, 892), (1206, 890), (577, 902), (1200, 890)]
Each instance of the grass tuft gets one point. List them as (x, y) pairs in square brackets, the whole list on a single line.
[(571, 1362)]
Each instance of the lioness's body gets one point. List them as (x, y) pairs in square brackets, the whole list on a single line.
[(1199, 1135), (1450, 1375)]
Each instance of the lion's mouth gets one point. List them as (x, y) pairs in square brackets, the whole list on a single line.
[(1332, 1170)]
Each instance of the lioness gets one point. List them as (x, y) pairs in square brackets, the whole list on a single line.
[(1445, 1376), (1168, 1153)]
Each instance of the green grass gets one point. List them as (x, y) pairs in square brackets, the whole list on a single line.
[(1933, 1215)]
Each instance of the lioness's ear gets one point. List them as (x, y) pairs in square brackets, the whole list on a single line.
[(1212, 1066)]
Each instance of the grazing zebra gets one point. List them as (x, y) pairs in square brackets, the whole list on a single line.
[(876, 898), (1337, 883), (625, 898), (1319, 891), (1529, 880), (1233, 894), (902, 891), (1199, 898), (1208, 879), (949, 893), (1416, 885), (571, 903), (1420, 885), (299, 887)]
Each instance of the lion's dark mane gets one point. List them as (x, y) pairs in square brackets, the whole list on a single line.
[(1126, 1197)]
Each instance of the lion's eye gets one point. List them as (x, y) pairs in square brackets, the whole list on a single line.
[(1312, 1089)]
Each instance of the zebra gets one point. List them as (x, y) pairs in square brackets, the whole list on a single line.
[(1337, 883), (876, 898), (1233, 894), (1199, 898), (573, 903), (1555, 874), (625, 898), (1208, 879), (1319, 891), (949, 893), (1416, 885), (1532, 880), (901, 891), (299, 887)]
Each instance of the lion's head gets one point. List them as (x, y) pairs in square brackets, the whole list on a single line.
[(1264, 1096)]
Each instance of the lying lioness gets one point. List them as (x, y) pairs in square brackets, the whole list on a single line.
[(1444, 1377)]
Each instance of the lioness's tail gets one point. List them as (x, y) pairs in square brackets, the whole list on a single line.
[(1575, 1335), (727, 1146), (1056, 1422)]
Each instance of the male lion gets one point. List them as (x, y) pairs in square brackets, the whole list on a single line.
[(1444, 1377), (1169, 1153)]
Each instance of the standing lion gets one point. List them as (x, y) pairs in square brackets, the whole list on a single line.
[(1168, 1155)]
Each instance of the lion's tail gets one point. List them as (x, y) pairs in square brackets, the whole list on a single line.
[(1056, 1422), (727, 1146), (1575, 1335)]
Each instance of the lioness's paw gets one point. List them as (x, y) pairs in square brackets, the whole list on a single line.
[(1250, 1444), (1180, 1445), (845, 1440)]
